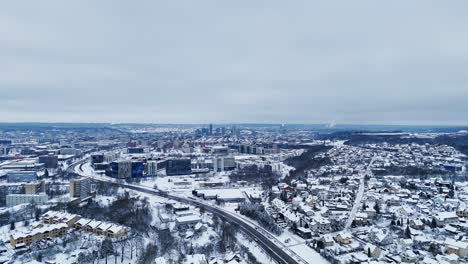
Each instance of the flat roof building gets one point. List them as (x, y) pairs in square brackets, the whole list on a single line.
[(21, 176), (16, 199)]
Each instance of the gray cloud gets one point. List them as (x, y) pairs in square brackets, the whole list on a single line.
[(234, 61)]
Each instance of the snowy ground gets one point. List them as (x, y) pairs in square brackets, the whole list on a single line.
[(294, 244), (255, 249), (308, 254)]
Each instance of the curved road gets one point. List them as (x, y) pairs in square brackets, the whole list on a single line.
[(273, 250)]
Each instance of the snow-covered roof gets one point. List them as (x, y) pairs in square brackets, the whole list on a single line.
[(116, 229), (93, 224), (456, 244), (188, 219), (83, 221), (104, 226), (46, 228)]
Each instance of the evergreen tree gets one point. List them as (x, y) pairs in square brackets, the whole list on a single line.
[(106, 248), (320, 244), (408, 232), (451, 193), (294, 226), (377, 208), (433, 249)]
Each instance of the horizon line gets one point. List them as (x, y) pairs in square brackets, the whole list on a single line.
[(237, 123)]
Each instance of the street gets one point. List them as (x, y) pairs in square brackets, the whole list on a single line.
[(360, 194)]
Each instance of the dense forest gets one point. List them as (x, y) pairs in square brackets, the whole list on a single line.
[(307, 161)]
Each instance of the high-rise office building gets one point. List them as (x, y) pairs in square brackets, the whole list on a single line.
[(80, 188), (179, 167), (153, 166), (121, 169), (49, 161)]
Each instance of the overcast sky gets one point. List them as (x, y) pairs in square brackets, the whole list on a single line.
[(353, 62)]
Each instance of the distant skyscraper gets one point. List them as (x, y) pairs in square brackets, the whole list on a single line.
[(211, 129)]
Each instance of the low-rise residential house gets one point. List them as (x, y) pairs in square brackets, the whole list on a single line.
[(320, 224), (417, 224), (44, 232), (80, 224), (451, 229), (372, 251), (393, 201), (409, 256), (54, 217), (361, 219), (327, 240), (462, 212), (459, 248), (444, 218), (450, 259), (101, 228), (116, 231), (92, 226), (370, 212), (307, 210), (380, 237), (344, 238)]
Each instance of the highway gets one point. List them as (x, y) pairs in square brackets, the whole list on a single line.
[(275, 251)]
